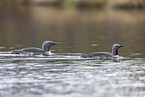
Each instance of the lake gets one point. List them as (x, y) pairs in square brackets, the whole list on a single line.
[(65, 73)]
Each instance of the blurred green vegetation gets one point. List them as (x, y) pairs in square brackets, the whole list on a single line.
[(120, 4)]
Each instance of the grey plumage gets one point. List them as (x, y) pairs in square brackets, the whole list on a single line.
[(98, 55), (37, 51), (104, 55), (34, 50)]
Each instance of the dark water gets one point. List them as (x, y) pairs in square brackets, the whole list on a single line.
[(79, 31)]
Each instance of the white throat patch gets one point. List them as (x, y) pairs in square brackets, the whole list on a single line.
[(48, 53)]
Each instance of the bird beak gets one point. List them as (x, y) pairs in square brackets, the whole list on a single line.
[(54, 43), (121, 46)]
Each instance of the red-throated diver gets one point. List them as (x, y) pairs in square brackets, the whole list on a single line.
[(105, 55), (37, 51)]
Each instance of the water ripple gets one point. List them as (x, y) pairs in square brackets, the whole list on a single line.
[(71, 76)]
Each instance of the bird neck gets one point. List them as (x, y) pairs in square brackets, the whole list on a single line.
[(46, 49), (115, 52), (48, 53), (115, 55)]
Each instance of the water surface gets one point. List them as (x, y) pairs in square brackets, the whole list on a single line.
[(69, 75), (66, 74)]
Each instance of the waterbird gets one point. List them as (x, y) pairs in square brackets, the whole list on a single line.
[(37, 51), (105, 55)]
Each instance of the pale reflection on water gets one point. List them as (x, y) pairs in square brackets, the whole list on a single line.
[(66, 74), (70, 76)]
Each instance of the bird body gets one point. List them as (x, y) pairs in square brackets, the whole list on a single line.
[(105, 55), (98, 55), (37, 51)]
